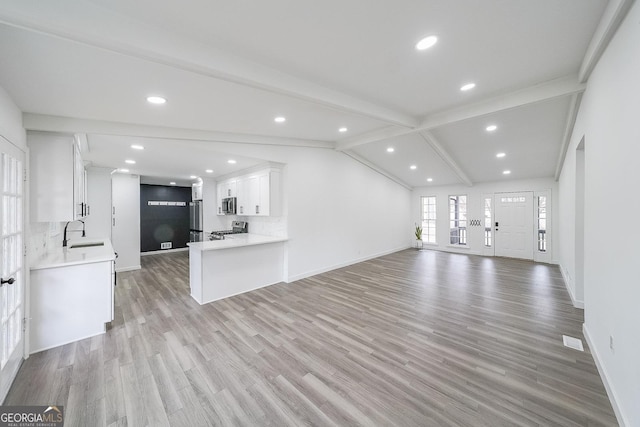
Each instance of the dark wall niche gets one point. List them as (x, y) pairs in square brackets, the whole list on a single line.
[(160, 224)]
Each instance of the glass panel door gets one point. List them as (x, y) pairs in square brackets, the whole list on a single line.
[(12, 263)]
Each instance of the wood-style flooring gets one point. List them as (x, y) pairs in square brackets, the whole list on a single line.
[(415, 338)]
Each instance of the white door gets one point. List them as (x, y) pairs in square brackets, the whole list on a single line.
[(11, 263), (514, 225)]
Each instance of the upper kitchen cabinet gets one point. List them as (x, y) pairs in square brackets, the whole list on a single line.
[(196, 190), (258, 194), (57, 177)]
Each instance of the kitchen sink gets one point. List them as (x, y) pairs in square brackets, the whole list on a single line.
[(86, 245)]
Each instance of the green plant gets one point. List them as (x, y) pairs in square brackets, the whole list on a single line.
[(418, 232)]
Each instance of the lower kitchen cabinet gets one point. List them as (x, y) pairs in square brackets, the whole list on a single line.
[(71, 301)]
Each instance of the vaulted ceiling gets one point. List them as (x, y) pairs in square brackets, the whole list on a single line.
[(227, 69)]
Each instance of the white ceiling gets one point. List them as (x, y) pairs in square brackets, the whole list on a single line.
[(231, 67)]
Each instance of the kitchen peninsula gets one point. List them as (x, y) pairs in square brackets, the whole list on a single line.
[(240, 263)]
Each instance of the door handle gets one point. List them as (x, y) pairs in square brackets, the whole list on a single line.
[(9, 281)]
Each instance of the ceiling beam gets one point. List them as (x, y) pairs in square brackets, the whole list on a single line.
[(40, 122), (376, 168), (445, 156), (565, 86), (611, 19), (576, 99), (373, 136), (138, 40)]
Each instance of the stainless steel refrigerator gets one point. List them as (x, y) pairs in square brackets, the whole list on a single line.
[(195, 221)]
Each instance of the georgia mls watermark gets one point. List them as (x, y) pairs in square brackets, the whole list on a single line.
[(31, 416)]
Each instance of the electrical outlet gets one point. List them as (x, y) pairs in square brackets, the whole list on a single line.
[(165, 245), (611, 342)]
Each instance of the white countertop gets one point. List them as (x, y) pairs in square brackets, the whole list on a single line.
[(63, 257), (235, 241)]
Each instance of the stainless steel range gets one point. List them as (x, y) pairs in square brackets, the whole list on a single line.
[(237, 227)]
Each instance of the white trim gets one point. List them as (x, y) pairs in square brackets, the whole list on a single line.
[(611, 19), (576, 303), (163, 251), (132, 268), (605, 378), (344, 264)]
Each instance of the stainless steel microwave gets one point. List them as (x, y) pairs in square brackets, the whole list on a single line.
[(229, 206)]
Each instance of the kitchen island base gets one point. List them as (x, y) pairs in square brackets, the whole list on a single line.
[(232, 270)]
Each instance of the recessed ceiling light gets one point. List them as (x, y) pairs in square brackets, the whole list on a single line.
[(131, 162), (192, 176), (123, 170), (172, 183), (426, 43), (343, 129), (156, 100), (413, 167), (491, 128), (209, 171), (467, 87), (506, 172), (280, 119), (429, 179), (390, 150), (231, 162), (500, 155), (137, 147)]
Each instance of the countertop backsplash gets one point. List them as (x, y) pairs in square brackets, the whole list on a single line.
[(44, 236), (267, 225)]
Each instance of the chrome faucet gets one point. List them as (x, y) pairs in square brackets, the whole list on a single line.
[(64, 238)]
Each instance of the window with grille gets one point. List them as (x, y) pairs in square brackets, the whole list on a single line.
[(542, 223), (487, 222), (429, 219), (458, 220)]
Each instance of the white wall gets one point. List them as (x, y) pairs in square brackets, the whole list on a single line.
[(608, 121), (125, 235), (98, 223), (11, 121), (336, 210), (475, 210)]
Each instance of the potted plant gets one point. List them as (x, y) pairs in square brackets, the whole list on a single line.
[(418, 234)]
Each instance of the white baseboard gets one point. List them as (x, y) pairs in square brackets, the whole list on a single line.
[(576, 303), (163, 251), (342, 264), (132, 268), (605, 378)]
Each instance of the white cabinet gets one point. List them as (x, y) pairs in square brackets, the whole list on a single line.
[(228, 188), (258, 194), (196, 191), (58, 178), (246, 187), (70, 303)]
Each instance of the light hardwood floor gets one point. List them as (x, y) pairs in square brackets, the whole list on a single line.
[(414, 338)]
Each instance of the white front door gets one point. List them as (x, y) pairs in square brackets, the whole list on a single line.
[(514, 225), (11, 263)]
